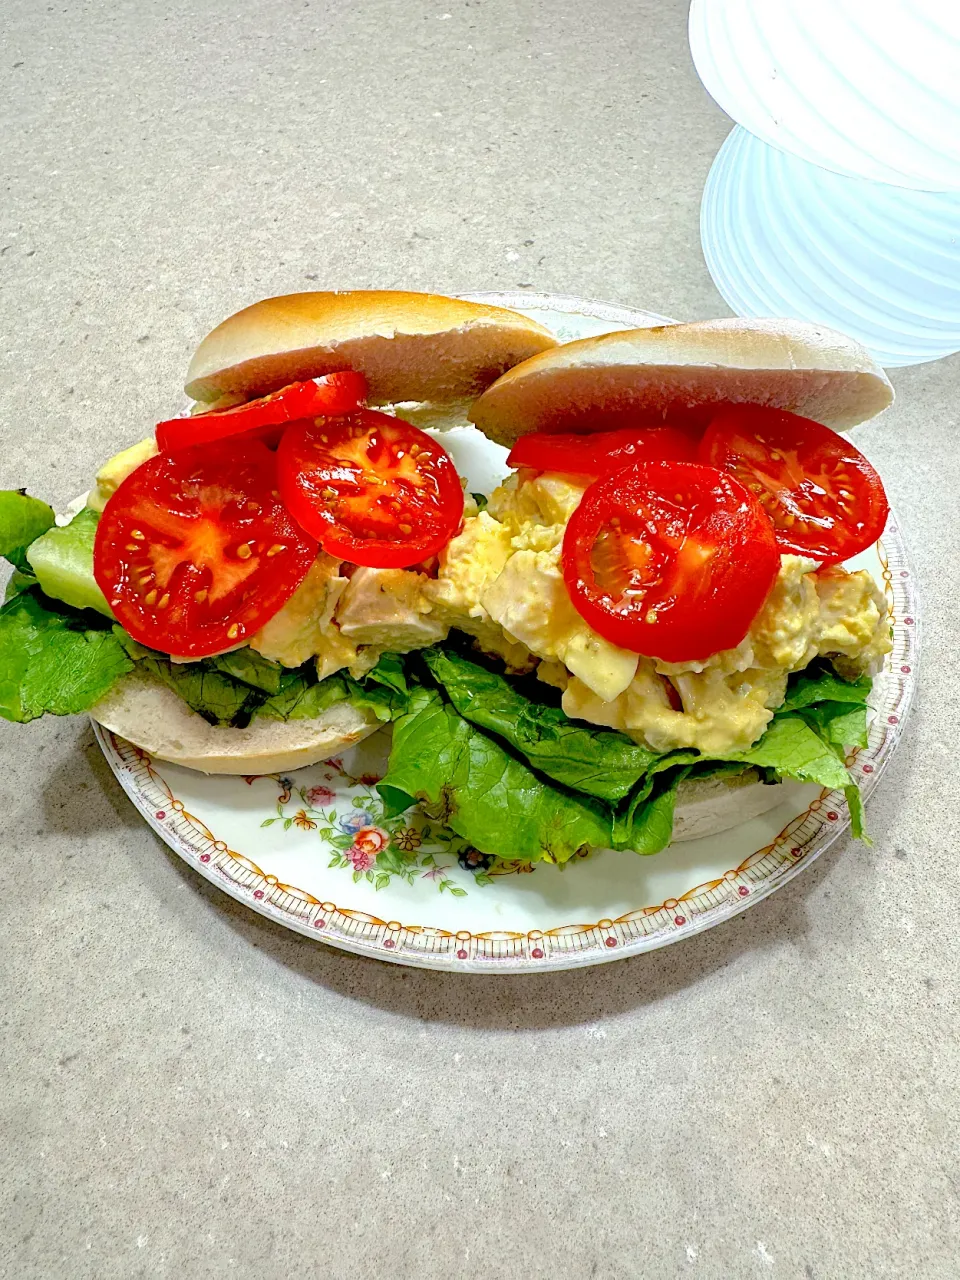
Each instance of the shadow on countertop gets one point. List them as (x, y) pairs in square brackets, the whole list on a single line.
[(522, 1001)]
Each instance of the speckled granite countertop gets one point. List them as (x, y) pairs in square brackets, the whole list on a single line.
[(191, 1092)]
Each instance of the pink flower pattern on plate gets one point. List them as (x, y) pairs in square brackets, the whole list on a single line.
[(319, 796), (435, 872), (367, 843), (360, 859)]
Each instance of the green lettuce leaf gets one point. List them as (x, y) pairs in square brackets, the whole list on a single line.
[(599, 762), (647, 825), (18, 582), (133, 648), (209, 692), (462, 759), (250, 668), (234, 688), (301, 700), (842, 724), (50, 661), (855, 804), (390, 672), (22, 520), (205, 689), (794, 750), (384, 690), (462, 777), (62, 561), (820, 683)]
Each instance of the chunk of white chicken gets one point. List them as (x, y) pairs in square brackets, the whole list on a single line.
[(386, 608)]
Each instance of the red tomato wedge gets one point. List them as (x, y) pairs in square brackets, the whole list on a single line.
[(332, 395), (669, 559), (372, 489), (195, 552), (601, 452), (823, 497)]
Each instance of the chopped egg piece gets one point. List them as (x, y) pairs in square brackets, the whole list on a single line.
[(529, 600), (304, 627), (114, 471), (468, 565)]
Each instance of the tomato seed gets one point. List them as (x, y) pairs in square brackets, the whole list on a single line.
[(151, 598), (164, 600), (276, 549), (233, 632), (200, 595), (244, 551), (138, 534)]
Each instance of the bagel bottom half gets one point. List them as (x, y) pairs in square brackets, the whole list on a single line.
[(154, 718), (157, 720), (707, 806)]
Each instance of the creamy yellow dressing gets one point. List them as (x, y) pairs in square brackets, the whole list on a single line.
[(304, 627), (499, 581), (718, 705)]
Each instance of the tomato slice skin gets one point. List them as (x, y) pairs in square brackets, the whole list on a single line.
[(821, 494), (371, 488), (672, 560), (195, 551), (334, 394), (601, 452)]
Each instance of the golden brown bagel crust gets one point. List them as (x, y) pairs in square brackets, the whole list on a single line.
[(689, 370), (411, 346)]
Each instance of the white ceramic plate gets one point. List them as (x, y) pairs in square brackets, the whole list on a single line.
[(313, 851)]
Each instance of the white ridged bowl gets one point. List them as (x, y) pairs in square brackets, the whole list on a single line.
[(782, 237), (867, 89)]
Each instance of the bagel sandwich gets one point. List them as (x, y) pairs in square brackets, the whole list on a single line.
[(647, 632)]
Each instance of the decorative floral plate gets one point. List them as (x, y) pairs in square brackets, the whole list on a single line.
[(314, 852)]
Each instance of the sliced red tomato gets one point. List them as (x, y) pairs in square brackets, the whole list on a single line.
[(601, 452), (669, 559), (823, 497), (329, 396), (195, 552), (372, 489)]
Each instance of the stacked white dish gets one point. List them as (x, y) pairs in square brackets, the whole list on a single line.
[(837, 199)]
